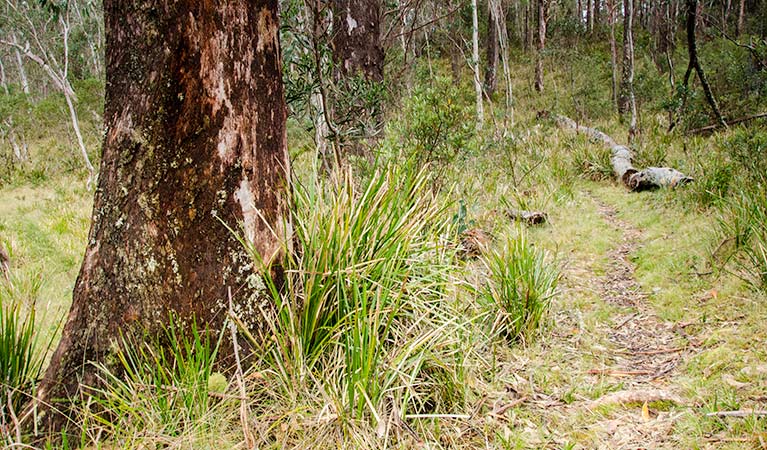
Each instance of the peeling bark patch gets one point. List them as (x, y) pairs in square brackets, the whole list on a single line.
[(351, 24), (247, 201), (227, 140), (267, 31)]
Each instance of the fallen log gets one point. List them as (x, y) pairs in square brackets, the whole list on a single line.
[(528, 217), (631, 177)]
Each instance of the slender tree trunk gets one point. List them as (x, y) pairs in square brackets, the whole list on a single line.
[(589, 15), (475, 63), (80, 142), (195, 147), (528, 27), (741, 17), (3, 79), (541, 45), (491, 73), (20, 65), (692, 49), (356, 39), (626, 99), (598, 12), (613, 52)]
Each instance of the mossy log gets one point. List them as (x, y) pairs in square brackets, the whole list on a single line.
[(621, 160)]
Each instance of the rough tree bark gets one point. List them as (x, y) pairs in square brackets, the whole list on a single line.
[(356, 39), (541, 45), (491, 72), (626, 99), (621, 156), (692, 49), (196, 143)]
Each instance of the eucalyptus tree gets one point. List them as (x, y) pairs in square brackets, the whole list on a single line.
[(195, 148)]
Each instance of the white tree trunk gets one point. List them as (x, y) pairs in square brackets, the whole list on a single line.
[(20, 64), (83, 150), (3, 79), (475, 62)]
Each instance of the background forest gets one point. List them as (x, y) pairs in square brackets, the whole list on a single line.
[(470, 272)]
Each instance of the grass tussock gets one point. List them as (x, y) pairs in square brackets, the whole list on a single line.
[(519, 288)]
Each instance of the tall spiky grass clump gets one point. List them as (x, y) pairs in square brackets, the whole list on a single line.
[(364, 321), (21, 351), (744, 222), (521, 283), (161, 390)]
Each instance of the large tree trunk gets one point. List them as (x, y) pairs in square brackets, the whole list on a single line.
[(356, 39), (196, 146), (626, 100), (491, 73), (541, 45), (621, 159)]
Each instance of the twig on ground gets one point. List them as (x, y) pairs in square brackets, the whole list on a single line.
[(739, 413), (619, 373)]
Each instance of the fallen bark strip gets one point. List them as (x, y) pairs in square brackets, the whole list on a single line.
[(640, 396), (634, 179), (529, 217)]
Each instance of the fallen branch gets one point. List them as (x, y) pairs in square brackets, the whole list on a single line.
[(730, 123), (739, 413), (619, 373), (529, 217), (634, 179)]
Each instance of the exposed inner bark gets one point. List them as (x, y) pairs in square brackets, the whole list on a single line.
[(195, 117), (631, 177)]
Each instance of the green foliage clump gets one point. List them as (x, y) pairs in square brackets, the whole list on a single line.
[(436, 125), (588, 160), (520, 287)]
